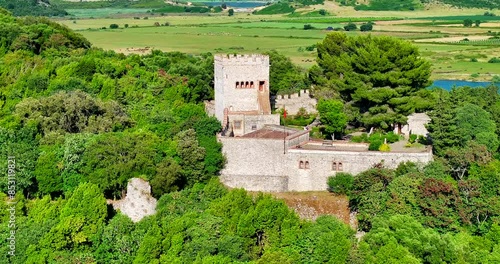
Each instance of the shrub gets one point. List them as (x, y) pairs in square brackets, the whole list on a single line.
[(473, 60), (126, 25), (361, 138), (146, 18), (322, 12), (375, 145), (230, 12), (341, 183), (311, 48), (308, 26), (422, 140), (113, 26), (494, 60), (350, 27), (384, 148), (366, 27), (413, 138)]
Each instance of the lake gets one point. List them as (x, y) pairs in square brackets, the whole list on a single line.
[(236, 4), (448, 84)]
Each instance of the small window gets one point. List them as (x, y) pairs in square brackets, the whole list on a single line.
[(251, 85), (339, 167), (307, 165), (261, 85), (334, 166), (301, 165), (254, 127), (237, 84), (237, 124), (247, 85)]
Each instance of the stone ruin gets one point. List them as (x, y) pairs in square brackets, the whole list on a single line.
[(138, 202)]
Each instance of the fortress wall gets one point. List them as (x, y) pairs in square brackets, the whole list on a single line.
[(253, 156), (256, 182), (321, 165), (295, 102)]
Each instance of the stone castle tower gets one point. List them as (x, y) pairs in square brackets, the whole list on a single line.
[(242, 93)]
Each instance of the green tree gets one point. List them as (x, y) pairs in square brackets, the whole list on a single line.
[(474, 123), (366, 27), (381, 79), (284, 76), (191, 157), (468, 23), (350, 27), (81, 220), (332, 116), (230, 12)]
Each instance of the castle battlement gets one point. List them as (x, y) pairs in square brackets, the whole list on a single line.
[(241, 59), (293, 102)]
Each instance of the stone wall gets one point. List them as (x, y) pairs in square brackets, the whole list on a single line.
[(416, 125), (138, 202), (251, 123), (293, 102), (256, 183), (264, 158), (253, 156), (321, 165)]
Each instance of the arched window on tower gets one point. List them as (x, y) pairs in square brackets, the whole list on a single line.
[(334, 166), (307, 165), (247, 85), (301, 164), (251, 85), (339, 167), (237, 84)]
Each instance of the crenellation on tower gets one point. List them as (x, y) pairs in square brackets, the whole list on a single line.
[(242, 59)]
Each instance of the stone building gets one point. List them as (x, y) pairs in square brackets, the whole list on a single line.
[(242, 93), (263, 156)]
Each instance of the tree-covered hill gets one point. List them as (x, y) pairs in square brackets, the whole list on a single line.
[(32, 8), (405, 5), (76, 123)]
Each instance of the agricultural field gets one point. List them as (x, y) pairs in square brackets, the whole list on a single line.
[(457, 52)]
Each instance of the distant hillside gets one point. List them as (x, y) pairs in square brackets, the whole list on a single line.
[(468, 3), (32, 8), (77, 4), (405, 5)]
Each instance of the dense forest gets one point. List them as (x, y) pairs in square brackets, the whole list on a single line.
[(32, 8), (80, 122)]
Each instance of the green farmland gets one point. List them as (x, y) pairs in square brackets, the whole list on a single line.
[(248, 33)]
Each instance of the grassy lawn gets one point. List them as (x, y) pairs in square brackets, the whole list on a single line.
[(246, 33)]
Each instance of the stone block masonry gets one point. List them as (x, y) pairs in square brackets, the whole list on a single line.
[(293, 102)]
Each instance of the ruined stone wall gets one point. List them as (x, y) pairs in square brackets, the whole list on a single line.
[(230, 69), (294, 102)]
